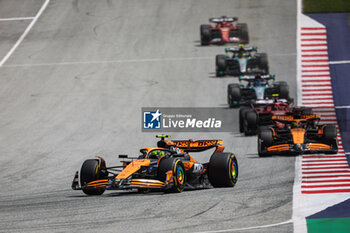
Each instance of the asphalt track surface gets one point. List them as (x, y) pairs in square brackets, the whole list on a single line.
[(75, 86)]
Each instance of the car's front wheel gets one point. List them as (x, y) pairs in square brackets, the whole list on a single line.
[(178, 169), (205, 34), (91, 170), (223, 170)]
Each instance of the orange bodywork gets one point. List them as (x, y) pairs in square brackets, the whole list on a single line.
[(146, 183), (197, 146), (281, 147), (298, 135), (320, 131), (133, 167), (97, 183), (187, 165), (169, 177), (319, 146)]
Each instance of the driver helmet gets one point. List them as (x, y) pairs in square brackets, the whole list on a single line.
[(242, 50), (294, 124), (257, 84), (157, 153)]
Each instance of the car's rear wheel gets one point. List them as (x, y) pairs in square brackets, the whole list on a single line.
[(330, 132), (251, 122), (243, 33), (233, 95), (306, 111), (205, 34), (263, 63), (223, 170), (283, 90), (242, 112), (92, 170), (220, 65), (179, 176), (330, 136)]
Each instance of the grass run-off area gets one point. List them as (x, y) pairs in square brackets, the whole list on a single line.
[(322, 6)]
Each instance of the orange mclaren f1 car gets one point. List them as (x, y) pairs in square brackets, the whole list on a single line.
[(297, 134), (167, 167)]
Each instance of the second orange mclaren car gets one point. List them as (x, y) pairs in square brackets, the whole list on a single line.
[(167, 167), (297, 134)]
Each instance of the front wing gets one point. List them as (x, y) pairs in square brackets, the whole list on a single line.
[(113, 184), (307, 148)]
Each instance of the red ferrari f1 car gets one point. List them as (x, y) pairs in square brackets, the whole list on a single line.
[(224, 31), (167, 167), (260, 114)]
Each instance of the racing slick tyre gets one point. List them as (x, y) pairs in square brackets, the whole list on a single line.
[(251, 123), (283, 90), (223, 170), (242, 112), (306, 111), (220, 65), (263, 63), (330, 136), (265, 139), (90, 171), (330, 132), (205, 34), (179, 176), (243, 33), (233, 95)]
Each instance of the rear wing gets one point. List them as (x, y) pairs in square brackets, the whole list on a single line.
[(291, 118), (223, 19), (199, 145), (245, 48), (252, 78), (270, 101), (189, 145)]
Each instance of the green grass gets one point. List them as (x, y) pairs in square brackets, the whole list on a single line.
[(325, 6), (328, 225)]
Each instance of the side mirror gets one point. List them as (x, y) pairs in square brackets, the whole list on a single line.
[(123, 156)]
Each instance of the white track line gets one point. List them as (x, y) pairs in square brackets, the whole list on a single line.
[(339, 62), (16, 18), (339, 107), (110, 61), (19, 41), (249, 228)]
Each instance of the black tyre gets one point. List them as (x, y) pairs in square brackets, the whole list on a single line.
[(265, 139), (220, 65), (252, 123), (330, 132), (205, 34), (262, 127), (283, 90), (263, 63), (91, 171), (242, 112), (223, 170), (282, 83), (330, 136), (306, 111), (243, 33), (176, 166), (233, 95)]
